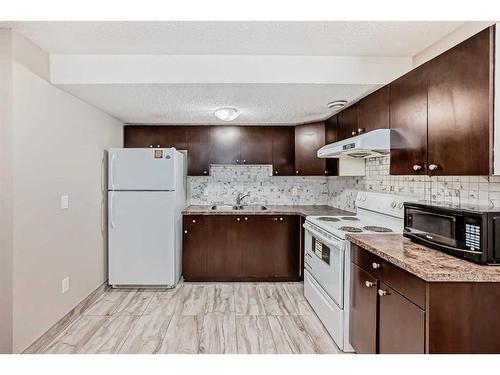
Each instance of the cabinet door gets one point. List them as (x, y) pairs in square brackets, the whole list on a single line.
[(272, 247), (408, 117), (224, 248), (172, 136), (331, 135), (137, 136), (225, 143), (256, 145), (308, 139), (363, 313), (194, 247), (401, 324), (348, 122), (283, 150), (198, 145), (373, 111), (461, 107)]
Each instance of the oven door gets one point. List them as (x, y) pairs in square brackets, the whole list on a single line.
[(324, 260), (434, 227)]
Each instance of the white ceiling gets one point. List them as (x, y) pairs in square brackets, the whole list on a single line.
[(193, 101), (234, 38)]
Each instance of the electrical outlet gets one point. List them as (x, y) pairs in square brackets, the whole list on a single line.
[(65, 284), (64, 202), (295, 191)]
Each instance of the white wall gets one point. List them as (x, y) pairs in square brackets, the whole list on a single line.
[(58, 144), (457, 36), (6, 213)]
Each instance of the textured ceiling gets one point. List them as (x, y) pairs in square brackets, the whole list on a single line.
[(195, 104), (253, 38)]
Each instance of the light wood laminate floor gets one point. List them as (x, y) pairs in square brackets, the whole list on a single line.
[(198, 318)]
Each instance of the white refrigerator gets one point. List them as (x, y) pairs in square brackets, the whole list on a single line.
[(146, 195)]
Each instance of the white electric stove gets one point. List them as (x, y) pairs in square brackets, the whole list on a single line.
[(327, 256)]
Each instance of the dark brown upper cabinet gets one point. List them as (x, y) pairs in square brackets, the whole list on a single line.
[(309, 139), (460, 107), (256, 145), (348, 122), (331, 135), (283, 150), (155, 136), (408, 117), (373, 111), (198, 145), (225, 144)]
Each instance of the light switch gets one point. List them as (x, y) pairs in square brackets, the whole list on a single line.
[(65, 284), (64, 202)]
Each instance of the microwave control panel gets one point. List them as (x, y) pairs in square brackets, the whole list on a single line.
[(473, 236)]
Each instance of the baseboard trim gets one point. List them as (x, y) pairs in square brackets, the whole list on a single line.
[(65, 321)]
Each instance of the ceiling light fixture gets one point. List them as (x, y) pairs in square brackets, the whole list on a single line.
[(337, 104), (226, 113)]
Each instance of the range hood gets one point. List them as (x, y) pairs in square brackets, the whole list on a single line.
[(372, 144)]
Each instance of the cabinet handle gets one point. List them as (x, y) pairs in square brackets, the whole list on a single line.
[(185, 231), (204, 172), (238, 219), (382, 292), (237, 160), (296, 172), (417, 167), (150, 146), (194, 221), (244, 161), (275, 172), (433, 167), (326, 172), (361, 130), (158, 146), (369, 284), (246, 218), (375, 265), (354, 132), (281, 219)]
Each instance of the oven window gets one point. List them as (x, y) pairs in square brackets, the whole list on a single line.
[(428, 222)]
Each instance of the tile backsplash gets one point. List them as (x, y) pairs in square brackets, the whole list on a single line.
[(226, 181)]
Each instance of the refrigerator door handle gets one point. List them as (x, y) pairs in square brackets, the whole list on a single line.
[(111, 171), (111, 210)]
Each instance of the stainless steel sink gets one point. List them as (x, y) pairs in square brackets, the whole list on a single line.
[(252, 208), (238, 208), (224, 208)]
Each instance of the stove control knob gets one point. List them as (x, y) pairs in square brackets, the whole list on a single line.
[(359, 197), (363, 198), (393, 204), (400, 205)]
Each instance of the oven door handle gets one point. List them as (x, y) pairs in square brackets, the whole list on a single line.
[(325, 240)]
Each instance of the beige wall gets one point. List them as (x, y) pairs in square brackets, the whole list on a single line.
[(51, 144), (6, 213)]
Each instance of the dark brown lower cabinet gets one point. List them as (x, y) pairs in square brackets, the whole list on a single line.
[(393, 311), (401, 324), (363, 314), (242, 248)]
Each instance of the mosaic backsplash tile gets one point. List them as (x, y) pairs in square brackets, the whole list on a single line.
[(226, 181)]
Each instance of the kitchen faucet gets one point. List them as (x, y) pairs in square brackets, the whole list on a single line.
[(240, 197)]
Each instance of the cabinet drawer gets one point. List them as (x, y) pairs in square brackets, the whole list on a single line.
[(404, 282)]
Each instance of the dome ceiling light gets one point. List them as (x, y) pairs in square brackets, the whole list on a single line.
[(226, 113), (337, 104)]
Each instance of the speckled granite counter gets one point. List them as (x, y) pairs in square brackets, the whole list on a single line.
[(428, 264), (272, 210)]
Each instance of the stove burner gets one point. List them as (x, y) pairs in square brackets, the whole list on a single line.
[(351, 218), (326, 218), (374, 228), (351, 229)]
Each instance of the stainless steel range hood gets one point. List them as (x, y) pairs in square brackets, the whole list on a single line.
[(372, 144)]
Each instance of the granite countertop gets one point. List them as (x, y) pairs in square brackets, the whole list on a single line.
[(272, 210), (426, 263)]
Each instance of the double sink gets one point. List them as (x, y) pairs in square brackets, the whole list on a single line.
[(238, 208)]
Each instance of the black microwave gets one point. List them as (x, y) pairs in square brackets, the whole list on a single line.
[(468, 232)]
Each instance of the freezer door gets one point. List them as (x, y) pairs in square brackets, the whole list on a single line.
[(141, 227), (141, 169)]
